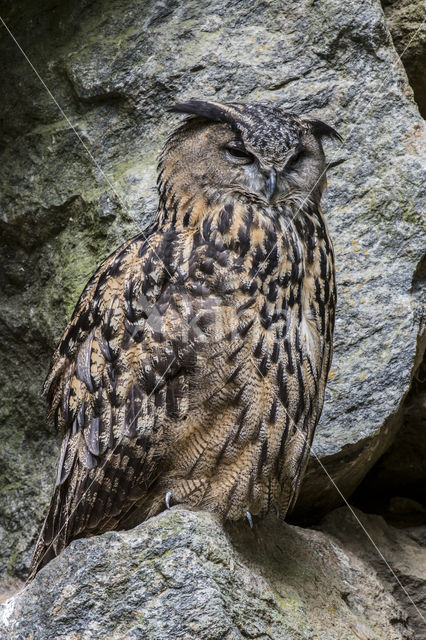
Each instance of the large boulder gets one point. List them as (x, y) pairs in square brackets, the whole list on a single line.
[(398, 556), (179, 575), (76, 182), (395, 486)]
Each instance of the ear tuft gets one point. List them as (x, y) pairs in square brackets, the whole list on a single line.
[(320, 128), (202, 109)]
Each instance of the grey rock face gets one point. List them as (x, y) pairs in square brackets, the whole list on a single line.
[(404, 551), (114, 67), (180, 576), (395, 487), (406, 22)]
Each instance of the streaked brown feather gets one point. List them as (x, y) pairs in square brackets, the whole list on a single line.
[(196, 359)]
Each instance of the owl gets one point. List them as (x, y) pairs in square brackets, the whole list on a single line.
[(193, 369)]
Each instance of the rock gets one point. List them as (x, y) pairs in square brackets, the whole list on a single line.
[(179, 575), (395, 486), (402, 564), (67, 200), (9, 587), (406, 22)]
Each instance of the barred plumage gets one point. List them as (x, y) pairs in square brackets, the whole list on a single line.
[(194, 366)]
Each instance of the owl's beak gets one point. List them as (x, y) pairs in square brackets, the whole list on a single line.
[(271, 184)]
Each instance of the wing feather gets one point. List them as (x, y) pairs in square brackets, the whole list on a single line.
[(166, 373), (110, 361)]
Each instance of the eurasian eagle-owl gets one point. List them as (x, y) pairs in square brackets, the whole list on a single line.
[(193, 368)]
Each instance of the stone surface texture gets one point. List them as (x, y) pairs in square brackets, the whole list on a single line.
[(75, 183), (395, 486), (401, 565), (406, 22), (179, 575)]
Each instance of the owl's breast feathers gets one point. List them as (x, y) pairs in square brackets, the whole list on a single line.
[(194, 366)]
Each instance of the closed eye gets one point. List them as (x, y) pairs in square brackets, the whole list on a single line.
[(236, 154), (298, 152)]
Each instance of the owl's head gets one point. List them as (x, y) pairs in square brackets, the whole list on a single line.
[(254, 151)]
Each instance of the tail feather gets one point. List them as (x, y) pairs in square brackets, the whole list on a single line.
[(92, 501), (48, 544)]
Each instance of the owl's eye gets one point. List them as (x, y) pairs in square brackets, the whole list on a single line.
[(238, 155), (295, 157)]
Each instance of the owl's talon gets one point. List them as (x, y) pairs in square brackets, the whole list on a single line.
[(250, 519), (167, 499), (277, 509)]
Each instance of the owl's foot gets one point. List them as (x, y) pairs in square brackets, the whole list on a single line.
[(167, 499), (250, 519), (277, 510)]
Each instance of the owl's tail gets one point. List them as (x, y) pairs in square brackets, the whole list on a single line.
[(52, 539), (92, 501)]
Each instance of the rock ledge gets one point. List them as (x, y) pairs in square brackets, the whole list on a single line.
[(179, 575)]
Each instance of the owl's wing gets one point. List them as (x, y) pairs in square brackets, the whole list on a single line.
[(114, 383)]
